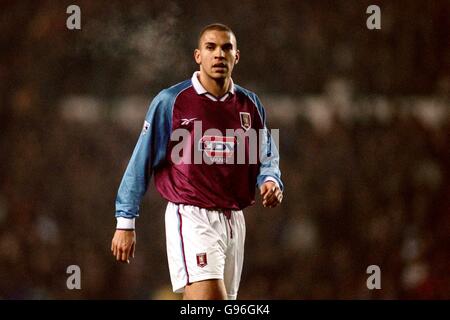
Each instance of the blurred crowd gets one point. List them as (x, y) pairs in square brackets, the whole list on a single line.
[(362, 192), (365, 160)]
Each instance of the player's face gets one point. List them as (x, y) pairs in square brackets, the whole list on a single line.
[(217, 54)]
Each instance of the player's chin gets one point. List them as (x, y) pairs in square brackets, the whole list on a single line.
[(219, 74)]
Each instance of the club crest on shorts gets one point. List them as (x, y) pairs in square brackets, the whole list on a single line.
[(245, 120), (201, 259)]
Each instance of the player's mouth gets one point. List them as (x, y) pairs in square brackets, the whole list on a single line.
[(220, 66)]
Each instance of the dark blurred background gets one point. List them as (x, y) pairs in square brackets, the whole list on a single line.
[(364, 119)]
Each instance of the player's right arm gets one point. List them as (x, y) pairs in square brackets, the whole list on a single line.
[(148, 153)]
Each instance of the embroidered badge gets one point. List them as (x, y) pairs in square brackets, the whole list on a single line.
[(145, 127), (201, 259), (245, 120)]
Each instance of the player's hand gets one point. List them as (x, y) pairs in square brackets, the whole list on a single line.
[(271, 194), (123, 245)]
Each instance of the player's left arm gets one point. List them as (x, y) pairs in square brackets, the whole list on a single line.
[(269, 177)]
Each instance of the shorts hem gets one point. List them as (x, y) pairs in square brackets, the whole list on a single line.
[(179, 288)]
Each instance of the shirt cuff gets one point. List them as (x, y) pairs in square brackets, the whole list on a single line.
[(125, 223), (273, 180)]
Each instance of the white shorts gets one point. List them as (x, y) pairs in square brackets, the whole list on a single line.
[(204, 244)]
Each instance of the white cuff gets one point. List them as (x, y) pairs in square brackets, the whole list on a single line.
[(273, 180), (125, 223)]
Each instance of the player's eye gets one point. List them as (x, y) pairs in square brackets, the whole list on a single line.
[(227, 47), (209, 47)]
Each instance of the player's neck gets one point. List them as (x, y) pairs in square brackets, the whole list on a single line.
[(216, 87)]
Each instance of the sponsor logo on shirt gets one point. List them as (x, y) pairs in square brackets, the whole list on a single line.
[(217, 148)]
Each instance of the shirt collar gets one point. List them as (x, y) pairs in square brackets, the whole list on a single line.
[(201, 90)]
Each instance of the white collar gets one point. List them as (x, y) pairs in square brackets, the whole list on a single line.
[(201, 90)]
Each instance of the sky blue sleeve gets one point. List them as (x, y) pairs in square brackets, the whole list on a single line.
[(269, 156), (149, 152)]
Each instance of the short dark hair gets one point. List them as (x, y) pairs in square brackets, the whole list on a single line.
[(218, 27)]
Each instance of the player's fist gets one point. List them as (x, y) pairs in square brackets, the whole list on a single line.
[(123, 245), (271, 194)]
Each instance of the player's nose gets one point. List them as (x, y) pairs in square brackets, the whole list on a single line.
[(220, 53)]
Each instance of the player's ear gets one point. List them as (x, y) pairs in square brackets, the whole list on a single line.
[(238, 55), (197, 56)]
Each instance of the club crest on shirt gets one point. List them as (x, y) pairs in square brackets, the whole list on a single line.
[(145, 127), (245, 120), (201, 259)]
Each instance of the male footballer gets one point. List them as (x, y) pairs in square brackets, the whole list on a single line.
[(205, 227)]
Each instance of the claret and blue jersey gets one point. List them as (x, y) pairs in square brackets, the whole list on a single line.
[(219, 185)]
